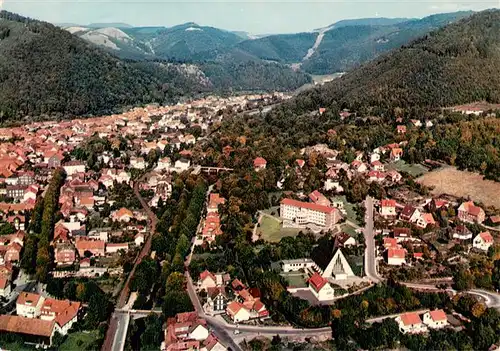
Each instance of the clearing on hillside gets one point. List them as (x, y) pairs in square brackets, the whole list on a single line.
[(449, 180)]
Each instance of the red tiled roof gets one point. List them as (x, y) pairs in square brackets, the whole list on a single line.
[(396, 253), (28, 299), (308, 205), (438, 315), (317, 281), (410, 319), (388, 203), (259, 161), (28, 326), (486, 236), (205, 274)]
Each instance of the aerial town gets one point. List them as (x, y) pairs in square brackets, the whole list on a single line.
[(89, 234)]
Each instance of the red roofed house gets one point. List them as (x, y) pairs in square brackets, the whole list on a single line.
[(425, 220), (388, 208), (237, 312), (395, 256), (64, 254), (410, 323), (185, 332), (468, 212), (112, 248), (95, 247), (10, 252), (34, 331), (436, 319), (259, 163), (303, 213), (29, 305), (401, 129), (396, 154), (483, 241), (319, 199), (320, 288), (207, 280), (63, 312), (123, 215)]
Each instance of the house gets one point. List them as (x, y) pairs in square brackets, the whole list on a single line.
[(396, 154), (468, 212), (300, 163), (401, 234), (137, 163), (410, 323), (391, 243), (29, 305), (320, 288), (425, 219), (123, 215), (483, 241), (63, 312), (395, 256), (182, 164), (237, 312), (112, 248), (344, 240), (410, 214), (435, 319), (388, 208), (259, 163), (5, 286), (139, 239), (64, 254), (461, 232), (401, 129), (216, 301), (74, 167), (377, 165), (319, 199), (207, 280), (93, 247), (358, 166), (34, 331)]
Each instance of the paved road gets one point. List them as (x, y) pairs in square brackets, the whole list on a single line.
[(370, 250), (116, 330)]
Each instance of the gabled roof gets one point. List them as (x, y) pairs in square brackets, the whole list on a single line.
[(486, 236), (438, 315), (27, 326), (388, 203), (410, 319), (317, 282)]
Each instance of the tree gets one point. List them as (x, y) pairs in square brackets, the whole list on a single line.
[(176, 282)]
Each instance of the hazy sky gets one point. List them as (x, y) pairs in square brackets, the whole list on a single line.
[(254, 16)]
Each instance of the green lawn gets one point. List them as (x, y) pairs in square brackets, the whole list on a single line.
[(348, 207), (414, 170), (295, 280), (270, 229), (80, 341), (346, 228)]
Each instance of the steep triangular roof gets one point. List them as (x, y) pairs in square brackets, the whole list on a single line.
[(338, 265)]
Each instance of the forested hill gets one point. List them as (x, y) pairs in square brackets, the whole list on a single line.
[(46, 70), (456, 64)]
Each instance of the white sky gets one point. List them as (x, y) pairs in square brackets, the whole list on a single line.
[(254, 16)]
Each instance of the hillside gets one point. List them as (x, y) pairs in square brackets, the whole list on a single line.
[(288, 48), (347, 46), (45, 70), (456, 64)]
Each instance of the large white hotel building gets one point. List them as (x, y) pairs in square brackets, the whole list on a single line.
[(303, 213)]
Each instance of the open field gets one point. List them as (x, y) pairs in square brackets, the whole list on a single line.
[(414, 170), (449, 180), (296, 280), (270, 230)]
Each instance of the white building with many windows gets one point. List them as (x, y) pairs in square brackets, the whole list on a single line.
[(303, 213)]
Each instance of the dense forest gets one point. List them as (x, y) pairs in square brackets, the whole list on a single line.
[(46, 71), (456, 64), (346, 46)]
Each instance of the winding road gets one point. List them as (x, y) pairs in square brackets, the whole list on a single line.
[(118, 324)]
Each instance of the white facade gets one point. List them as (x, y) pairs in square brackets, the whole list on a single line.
[(296, 265), (435, 323), (326, 293), (481, 243)]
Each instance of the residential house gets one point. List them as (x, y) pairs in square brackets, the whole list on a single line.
[(65, 254), (425, 219), (139, 239), (216, 301), (237, 312), (410, 323), (182, 165), (344, 240), (395, 256), (435, 319), (320, 288), (319, 199), (410, 214), (483, 241), (396, 154), (461, 232), (123, 215), (29, 305), (259, 164), (90, 247), (207, 280), (112, 248), (388, 208), (63, 312), (468, 212), (400, 129), (34, 331), (74, 167)]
